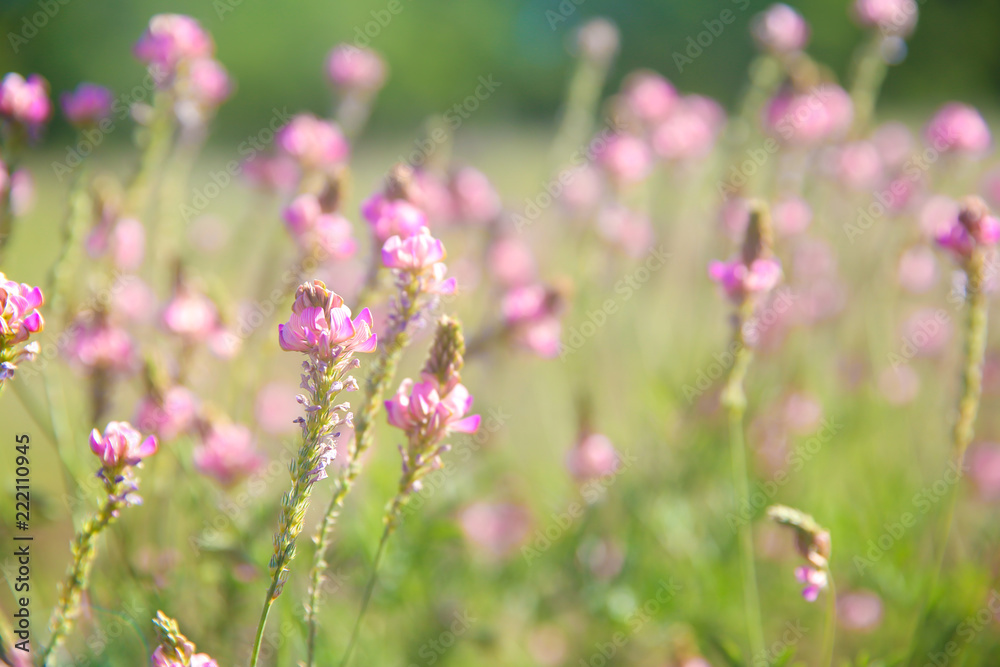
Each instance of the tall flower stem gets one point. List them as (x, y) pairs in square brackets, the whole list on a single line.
[(378, 380), (968, 408), (830, 629), (84, 548), (734, 400), (869, 74), (303, 470)]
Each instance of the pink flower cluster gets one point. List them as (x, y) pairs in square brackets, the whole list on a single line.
[(88, 105), (101, 345), (420, 257), (19, 318), (167, 413), (25, 101), (392, 217), (321, 326), (532, 317), (171, 39)]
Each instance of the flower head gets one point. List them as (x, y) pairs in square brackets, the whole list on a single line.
[(227, 453), (890, 17), (191, 314), (812, 541), (176, 650), (25, 101), (320, 325), (808, 118), (648, 96), (392, 217), (754, 271), (780, 29), (973, 227), (121, 445), (101, 345), (313, 227), (958, 128), (532, 317), (598, 40), (352, 68), (419, 257), (171, 39), (168, 413), (88, 105), (19, 318)]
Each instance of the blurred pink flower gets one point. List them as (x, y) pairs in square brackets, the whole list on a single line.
[(207, 83), (899, 385), (598, 40), (190, 313), (227, 453), (392, 217), (895, 143), (582, 190), (121, 445), (473, 197), (100, 345), (780, 29), (497, 529), (809, 118), (168, 415), (648, 96), (927, 331), (25, 101), (859, 611), (973, 226), (314, 143), (321, 325), (135, 301), (917, 271), (276, 408), (958, 128), (689, 131), (739, 280), (628, 229), (88, 105), (858, 165), (891, 17), (790, 215), (593, 456), (279, 173), (815, 581), (311, 227), (625, 158), (801, 413), (983, 464), (172, 38), (511, 262), (353, 68), (532, 317), (128, 244), (22, 192)]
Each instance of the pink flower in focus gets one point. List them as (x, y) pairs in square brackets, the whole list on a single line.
[(190, 313), (431, 410), (648, 96), (891, 17), (392, 217), (172, 38), (227, 453), (738, 280), (497, 529), (958, 128), (19, 315), (169, 415), (592, 457), (25, 101), (88, 105), (314, 143), (352, 68), (420, 255), (780, 29), (121, 445), (321, 325), (625, 158)]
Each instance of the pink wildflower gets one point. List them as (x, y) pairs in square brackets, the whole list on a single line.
[(121, 445), (25, 101), (88, 105), (227, 453), (351, 68), (320, 325), (314, 143)]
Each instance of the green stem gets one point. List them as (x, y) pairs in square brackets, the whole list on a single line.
[(869, 73), (734, 399), (271, 596), (84, 549), (830, 629), (378, 381), (968, 408)]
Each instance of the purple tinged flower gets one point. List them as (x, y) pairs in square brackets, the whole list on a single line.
[(432, 410), (314, 143), (814, 579), (891, 17), (780, 29), (121, 445), (321, 325), (738, 280), (415, 253), (958, 128), (352, 68), (88, 105), (973, 227), (171, 39), (392, 217), (25, 101), (19, 316), (227, 453)]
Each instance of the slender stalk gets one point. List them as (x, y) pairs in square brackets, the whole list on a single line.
[(968, 408), (830, 629), (869, 73), (84, 548), (734, 399), (262, 622), (377, 383)]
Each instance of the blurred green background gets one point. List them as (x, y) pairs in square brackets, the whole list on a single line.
[(437, 48)]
